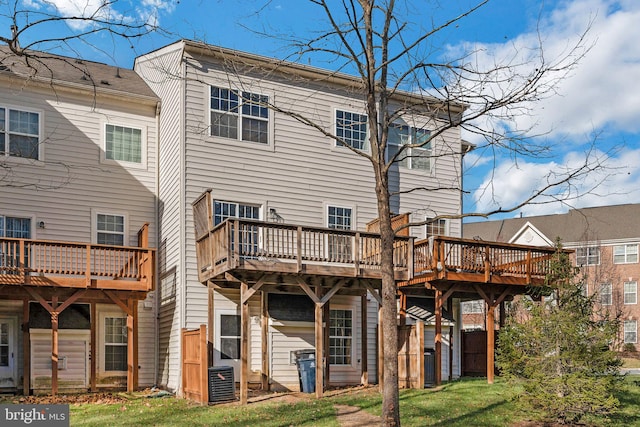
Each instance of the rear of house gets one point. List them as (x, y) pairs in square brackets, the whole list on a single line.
[(78, 154), (259, 164)]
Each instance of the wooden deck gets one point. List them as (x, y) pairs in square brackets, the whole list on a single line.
[(45, 263), (458, 261)]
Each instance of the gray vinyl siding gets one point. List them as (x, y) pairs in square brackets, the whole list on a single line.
[(162, 73), (72, 181), (299, 173)]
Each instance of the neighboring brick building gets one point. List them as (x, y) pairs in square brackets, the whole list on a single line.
[(605, 240)]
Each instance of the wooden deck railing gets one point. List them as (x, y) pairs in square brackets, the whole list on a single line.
[(297, 245), (442, 254), (25, 261)]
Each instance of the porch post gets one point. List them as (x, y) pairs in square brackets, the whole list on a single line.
[(451, 340), (26, 349), (244, 342), (420, 353), (438, 337), (210, 323)]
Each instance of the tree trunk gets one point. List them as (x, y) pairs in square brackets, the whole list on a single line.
[(390, 395)]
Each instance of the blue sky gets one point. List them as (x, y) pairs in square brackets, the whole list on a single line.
[(599, 101)]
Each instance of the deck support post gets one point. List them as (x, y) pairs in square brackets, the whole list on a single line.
[(244, 342), (26, 349), (364, 376), (319, 341), (491, 310), (450, 310), (210, 322), (54, 346), (264, 325), (438, 337), (93, 346)]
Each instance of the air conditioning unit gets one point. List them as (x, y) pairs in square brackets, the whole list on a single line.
[(222, 387)]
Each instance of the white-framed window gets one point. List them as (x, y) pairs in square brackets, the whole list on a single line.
[(605, 294), (115, 343), (109, 228), (584, 289), (339, 218), (340, 337), (473, 307), (229, 325), (20, 133), (351, 129), (16, 227), (625, 254), (414, 157), (436, 227), (124, 144), (630, 331), (239, 115), (630, 292), (223, 210), (588, 255)]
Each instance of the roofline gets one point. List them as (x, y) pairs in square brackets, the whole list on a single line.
[(47, 82), (306, 71)]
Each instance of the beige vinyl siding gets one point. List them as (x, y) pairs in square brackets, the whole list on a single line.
[(72, 181), (74, 346), (162, 74), (283, 340), (372, 338)]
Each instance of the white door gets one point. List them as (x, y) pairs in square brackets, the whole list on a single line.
[(8, 352), (226, 351)]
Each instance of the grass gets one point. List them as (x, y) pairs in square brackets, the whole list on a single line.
[(630, 362), (460, 403)]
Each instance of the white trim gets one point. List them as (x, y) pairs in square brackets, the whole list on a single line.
[(16, 214), (143, 145), (269, 146), (94, 223), (352, 309), (334, 127), (624, 331), (14, 351), (101, 344), (529, 226), (635, 292), (41, 139)]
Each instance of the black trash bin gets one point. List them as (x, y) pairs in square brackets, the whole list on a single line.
[(429, 367), (306, 363)]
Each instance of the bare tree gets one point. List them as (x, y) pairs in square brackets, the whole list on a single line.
[(373, 40)]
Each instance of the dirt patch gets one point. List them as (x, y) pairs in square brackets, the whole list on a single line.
[(352, 416), (99, 398)]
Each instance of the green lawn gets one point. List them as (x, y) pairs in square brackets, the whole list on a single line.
[(460, 403)]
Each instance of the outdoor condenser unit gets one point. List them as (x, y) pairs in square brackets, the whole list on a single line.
[(222, 386)]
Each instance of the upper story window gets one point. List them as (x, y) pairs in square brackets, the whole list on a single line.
[(410, 158), (123, 144), (605, 294), (19, 228), (436, 227), (588, 256), (625, 254), (20, 133), (351, 129), (630, 292), (110, 229), (239, 115)]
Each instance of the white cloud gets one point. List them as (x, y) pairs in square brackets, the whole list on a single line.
[(508, 184), (601, 91)]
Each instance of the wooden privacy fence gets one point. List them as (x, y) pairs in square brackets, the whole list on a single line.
[(411, 369), (195, 364)]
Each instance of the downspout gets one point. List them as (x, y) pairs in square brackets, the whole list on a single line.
[(182, 210), (156, 305)]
